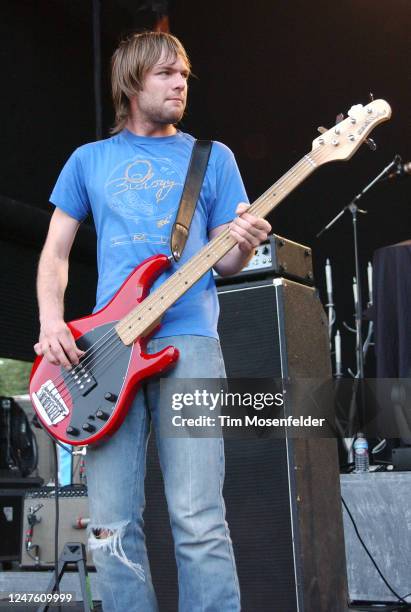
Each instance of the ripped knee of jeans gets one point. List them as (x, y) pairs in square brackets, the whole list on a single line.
[(109, 539), (100, 534)]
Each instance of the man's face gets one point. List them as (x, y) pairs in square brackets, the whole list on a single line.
[(164, 95)]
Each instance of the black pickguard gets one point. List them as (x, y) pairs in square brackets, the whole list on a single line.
[(100, 377)]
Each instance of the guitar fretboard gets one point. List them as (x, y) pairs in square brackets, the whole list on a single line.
[(146, 315)]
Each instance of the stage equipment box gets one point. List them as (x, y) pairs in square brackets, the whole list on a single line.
[(380, 503)]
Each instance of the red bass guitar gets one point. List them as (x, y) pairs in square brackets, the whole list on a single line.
[(84, 405)]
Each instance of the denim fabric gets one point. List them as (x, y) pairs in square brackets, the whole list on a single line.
[(193, 471)]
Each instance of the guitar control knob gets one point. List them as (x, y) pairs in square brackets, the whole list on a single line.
[(100, 414), (89, 427), (110, 397), (72, 431)]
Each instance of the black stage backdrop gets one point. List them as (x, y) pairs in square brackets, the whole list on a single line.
[(268, 73)]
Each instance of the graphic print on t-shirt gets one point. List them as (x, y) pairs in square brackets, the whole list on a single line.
[(145, 189)]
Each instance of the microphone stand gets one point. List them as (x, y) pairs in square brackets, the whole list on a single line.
[(353, 208)]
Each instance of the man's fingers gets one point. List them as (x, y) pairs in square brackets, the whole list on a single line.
[(70, 349), (59, 354), (257, 222), (254, 233), (253, 229), (241, 208), (244, 241), (73, 353), (37, 349), (43, 350), (243, 233), (58, 346), (54, 352), (51, 358)]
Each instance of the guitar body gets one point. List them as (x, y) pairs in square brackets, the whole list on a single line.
[(88, 403)]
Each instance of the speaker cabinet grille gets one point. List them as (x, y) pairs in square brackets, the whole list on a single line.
[(248, 331)]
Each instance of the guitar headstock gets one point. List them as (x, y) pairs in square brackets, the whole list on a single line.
[(341, 141)]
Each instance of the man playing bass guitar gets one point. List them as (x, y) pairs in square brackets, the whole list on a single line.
[(131, 183)]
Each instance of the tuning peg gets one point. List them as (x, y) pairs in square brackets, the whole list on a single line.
[(322, 129), (338, 119)]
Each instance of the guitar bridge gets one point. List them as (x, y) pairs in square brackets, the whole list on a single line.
[(50, 404)]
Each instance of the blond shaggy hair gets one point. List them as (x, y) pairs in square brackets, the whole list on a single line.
[(131, 61)]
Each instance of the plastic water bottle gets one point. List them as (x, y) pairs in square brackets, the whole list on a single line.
[(361, 458)]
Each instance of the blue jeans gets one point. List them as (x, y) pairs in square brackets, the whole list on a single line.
[(193, 472)]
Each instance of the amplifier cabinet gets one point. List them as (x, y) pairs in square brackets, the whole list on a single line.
[(73, 505), (277, 256), (282, 495)]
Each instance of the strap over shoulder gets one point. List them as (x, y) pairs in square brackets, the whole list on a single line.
[(191, 191)]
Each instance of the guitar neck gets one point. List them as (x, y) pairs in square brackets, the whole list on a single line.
[(147, 314)]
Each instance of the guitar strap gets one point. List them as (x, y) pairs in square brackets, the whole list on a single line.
[(192, 187)]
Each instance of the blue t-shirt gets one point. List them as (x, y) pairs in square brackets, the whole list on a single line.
[(132, 186)]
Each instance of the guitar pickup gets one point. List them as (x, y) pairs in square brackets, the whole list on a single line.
[(80, 378)]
